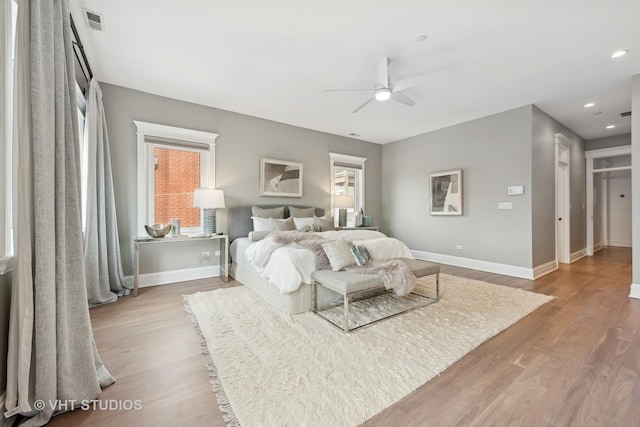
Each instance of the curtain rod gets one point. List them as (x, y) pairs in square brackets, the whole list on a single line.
[(84, 59)]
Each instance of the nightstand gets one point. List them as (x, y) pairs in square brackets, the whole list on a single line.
[(221, 239)]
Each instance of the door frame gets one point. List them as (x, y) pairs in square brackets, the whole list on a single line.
[(563, 166), (623, 150)]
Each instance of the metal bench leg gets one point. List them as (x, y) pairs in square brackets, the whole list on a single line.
[(314, 295), (346, 313)]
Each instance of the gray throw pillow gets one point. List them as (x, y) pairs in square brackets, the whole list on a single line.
[(277, 213), (301, 212), (282, 224), (324, 224)]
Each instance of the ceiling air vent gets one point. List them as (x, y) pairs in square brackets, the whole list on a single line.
[(626, 114), (94, 20)]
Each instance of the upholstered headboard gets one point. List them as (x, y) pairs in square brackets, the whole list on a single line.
[(240, 223)]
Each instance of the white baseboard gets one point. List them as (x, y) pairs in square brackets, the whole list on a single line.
[(173, 276), (597, 247), (635, 291), (619, 243), (491, 267), (544, 269), (578, 255)]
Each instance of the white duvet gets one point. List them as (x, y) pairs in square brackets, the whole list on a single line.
[(287, 267)]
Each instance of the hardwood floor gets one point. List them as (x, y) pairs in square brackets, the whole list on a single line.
[(574, 361)]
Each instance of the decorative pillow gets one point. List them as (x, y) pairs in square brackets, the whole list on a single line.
[(360, 254), (303, 222), (254, 236), (311, 228), (324, 224), (261, 224), (282, 224), (277, 213), (339, 254), (301, 212)]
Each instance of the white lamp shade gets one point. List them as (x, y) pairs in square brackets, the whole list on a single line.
[(343, 202), (208, 198)]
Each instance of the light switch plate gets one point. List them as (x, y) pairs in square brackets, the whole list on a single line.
[(515, 190)]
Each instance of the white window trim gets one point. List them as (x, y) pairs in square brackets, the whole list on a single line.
[(345, 158), (145, 155), (6, 141)]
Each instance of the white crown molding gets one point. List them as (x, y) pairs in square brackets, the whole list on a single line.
[(491, 267), (623, 150)]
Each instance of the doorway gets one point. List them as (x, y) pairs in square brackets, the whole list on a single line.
[(563, 197)]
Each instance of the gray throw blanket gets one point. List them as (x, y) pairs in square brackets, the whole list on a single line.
[(394, 273)]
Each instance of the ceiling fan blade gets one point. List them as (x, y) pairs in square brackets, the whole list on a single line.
[(403, 99), (418, 80), (362, 106), (347, 90), (382, 75)]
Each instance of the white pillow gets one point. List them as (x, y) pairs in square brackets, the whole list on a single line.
[(261, 224), (271, 224), (303, 222), (339, 254)]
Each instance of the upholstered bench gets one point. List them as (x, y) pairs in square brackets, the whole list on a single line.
[(348, 283)]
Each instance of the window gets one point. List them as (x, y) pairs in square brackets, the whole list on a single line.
[(8, 18), (172, 163), (347, 178)]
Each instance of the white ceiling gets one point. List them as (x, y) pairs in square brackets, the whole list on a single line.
[(274, 59)]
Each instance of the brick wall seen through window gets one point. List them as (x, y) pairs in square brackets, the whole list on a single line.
[(177, 175)]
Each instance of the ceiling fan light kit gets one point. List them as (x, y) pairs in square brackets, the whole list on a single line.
[(383, 94), (385, 89)]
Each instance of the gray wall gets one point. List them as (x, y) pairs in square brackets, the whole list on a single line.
[(5, 300), (493, 153), (242, 141), (608, 142), (544, 128)]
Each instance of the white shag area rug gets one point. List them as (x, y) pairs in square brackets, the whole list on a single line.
[(274, 369)]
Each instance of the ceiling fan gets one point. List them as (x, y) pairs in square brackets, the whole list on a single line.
[(385, 88)]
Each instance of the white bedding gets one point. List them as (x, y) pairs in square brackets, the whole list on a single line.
[(287, 267)]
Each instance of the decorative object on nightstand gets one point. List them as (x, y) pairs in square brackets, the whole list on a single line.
[(342, 203), (366, 221), (158, 230), (175, 231), (208, 199)]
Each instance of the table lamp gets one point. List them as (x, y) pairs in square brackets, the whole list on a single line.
[(342, 203), (209, 200)]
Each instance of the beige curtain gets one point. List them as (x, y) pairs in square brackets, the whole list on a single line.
[(52, 355)]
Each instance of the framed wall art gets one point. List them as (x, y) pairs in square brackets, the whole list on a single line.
[(280, 178), (445, 193)]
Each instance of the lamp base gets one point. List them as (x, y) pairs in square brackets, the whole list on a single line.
[(342, 217), (209, 224)]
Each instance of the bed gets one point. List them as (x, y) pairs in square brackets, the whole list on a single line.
[(283, 278)]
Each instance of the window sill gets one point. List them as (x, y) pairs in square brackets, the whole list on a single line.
[(6, 265)]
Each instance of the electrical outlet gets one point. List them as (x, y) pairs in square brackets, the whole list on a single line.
[(217, 253), (206, 254), (459, 247), (505, 205)]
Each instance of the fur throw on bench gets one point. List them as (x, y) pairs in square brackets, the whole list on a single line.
[(393, 272)]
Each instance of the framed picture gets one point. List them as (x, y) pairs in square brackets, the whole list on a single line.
[(280, 178), (446, 193)]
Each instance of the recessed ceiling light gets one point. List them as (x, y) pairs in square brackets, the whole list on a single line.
[(611, 126), (619, 53), (597, 113), (422, 38), (590, 104)]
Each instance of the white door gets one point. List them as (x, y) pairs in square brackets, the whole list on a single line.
[(563, 246)]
